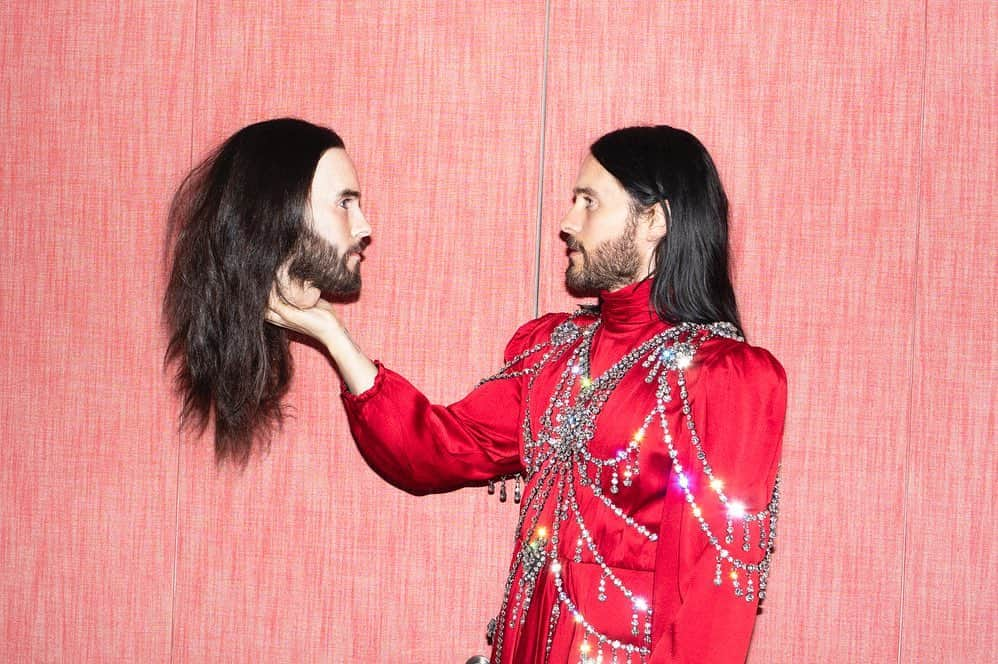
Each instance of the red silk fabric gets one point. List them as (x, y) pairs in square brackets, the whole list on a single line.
[(738, 396)]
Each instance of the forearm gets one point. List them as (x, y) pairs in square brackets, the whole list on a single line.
[(422, 447), (316, 318), (355, 367)]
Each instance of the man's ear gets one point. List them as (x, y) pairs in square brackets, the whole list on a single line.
[(656, 221)]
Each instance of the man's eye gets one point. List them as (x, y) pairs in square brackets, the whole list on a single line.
[(588, 201), (345, 203)]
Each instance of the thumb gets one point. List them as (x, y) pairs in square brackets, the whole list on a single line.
[(308, 295)]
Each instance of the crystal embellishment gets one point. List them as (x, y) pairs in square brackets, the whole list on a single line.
[(561, 470)]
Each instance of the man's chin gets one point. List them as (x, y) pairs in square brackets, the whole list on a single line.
[(342, 295), (342, 289), (577, 285)]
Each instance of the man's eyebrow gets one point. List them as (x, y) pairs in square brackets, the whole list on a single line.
[(348, 193), (588, 191)]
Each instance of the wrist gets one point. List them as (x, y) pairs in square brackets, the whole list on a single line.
[(340, 345), (336, 340)]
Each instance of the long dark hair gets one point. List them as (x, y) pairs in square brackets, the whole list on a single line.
[(692, 281), (236, 218)]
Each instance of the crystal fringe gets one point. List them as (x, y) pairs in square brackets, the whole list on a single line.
[(557, 459)]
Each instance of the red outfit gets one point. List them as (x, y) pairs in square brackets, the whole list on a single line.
[(644, 541)]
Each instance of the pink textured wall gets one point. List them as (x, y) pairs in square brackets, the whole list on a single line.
[(857, 141), (96, 124), (950, 586)]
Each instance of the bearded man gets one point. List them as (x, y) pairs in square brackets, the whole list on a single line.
[(646, 431), (278, 197)]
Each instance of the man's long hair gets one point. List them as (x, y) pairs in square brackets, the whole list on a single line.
[(237, 218), (692, 281)]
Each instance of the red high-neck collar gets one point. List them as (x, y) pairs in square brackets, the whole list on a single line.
[(627, 308)]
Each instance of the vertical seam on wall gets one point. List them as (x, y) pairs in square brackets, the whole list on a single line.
[(538, 237), (178, 438), (176, 547), (914, 329)]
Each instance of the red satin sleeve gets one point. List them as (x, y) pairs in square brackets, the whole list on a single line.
[(738, 397), (425, 448)]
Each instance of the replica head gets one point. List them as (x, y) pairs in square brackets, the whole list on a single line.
[(648, 202), (277, 196)]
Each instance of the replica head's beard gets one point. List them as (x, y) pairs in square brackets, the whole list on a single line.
[(612, 264), (319, 261)]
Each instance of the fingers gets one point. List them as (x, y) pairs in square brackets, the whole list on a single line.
[(300, 308), (279, 311), (282, 285), (299, 294), (274, 318), (307, 295), (326, 305), (292, 291)]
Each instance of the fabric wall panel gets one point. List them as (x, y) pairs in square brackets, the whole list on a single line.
[(950, 549), (96, 124), (308, 554), (812, 114)]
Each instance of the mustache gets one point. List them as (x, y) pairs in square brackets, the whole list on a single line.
[(358, 248), (573, 245)]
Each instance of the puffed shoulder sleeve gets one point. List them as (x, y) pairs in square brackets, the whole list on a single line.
[(530, 336), (425, 448), (731, 451)]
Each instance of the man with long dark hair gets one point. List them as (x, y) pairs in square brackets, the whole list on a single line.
[(278, 197), (643, 436)]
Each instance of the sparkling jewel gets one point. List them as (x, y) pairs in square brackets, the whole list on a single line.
[(559, 463)]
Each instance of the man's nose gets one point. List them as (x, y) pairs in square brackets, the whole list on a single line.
[(570, 223), (360, 227)]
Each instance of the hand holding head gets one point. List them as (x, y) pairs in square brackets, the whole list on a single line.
[(299, 307)]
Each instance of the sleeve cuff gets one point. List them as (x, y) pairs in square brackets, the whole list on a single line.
[(351, 399)]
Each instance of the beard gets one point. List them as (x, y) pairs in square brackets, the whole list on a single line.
[(318, 261), (611, 265)]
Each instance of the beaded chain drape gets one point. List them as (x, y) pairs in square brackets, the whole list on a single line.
[(559, 465)]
